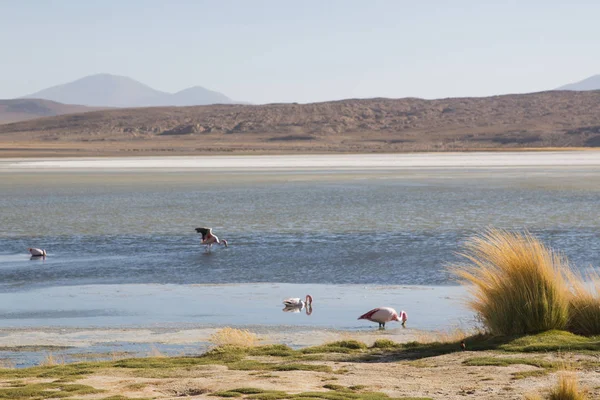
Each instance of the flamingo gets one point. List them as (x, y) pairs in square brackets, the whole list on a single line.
[(37, 252), (209, 239), (381, 315), (296, 302)]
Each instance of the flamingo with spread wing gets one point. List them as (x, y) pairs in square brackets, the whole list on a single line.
[(208, 238)]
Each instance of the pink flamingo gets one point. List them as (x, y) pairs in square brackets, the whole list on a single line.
[(381, 315), (208, 238)]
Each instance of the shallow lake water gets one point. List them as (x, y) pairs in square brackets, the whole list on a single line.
[(354, 231)]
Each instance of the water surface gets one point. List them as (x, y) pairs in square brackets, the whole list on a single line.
[(354, 220)]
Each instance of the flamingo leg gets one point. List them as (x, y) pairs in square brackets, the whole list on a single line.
[(382, 325)]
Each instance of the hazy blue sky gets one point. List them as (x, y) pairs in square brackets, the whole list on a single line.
[(284, 51)]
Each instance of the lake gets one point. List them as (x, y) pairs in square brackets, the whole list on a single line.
[(122, 250)]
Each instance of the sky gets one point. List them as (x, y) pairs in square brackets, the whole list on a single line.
[(266, 51)]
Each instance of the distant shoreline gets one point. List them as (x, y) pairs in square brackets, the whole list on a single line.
[(8, 152), (309, 162)]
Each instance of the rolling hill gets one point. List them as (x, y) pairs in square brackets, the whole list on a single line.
[(537, 120), (24, 109)]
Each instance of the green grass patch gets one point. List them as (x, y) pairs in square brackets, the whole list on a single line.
[(343, 346), (505, 362), (119, 397), (529, 374), (300, 367), (541, 343), (282, 358), (66, 372), (274, 350), (553, 341), (335, 392), (544, 366), (40, 391), (137, 386), (385, 344)]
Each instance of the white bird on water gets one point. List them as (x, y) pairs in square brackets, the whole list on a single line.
[(37, 252), (381, 315), (297, 302), (208, 238)]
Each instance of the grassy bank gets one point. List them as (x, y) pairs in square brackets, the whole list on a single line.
[(324, 365)]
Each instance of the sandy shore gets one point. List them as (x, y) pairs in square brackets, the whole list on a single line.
[(483, 374)]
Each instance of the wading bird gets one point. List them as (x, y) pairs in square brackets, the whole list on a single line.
[(381, 315), (296, 302), (209, 239), (37, 252)]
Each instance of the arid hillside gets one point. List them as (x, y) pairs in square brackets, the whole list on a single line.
[(537, 120), (23, 109)]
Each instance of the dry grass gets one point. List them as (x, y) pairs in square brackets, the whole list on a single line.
[(155, 352), (567, 389), (234, 337), (50, 360), (584, 304), (519, 285)]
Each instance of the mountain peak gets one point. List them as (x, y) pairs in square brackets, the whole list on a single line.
[(591, 83), (108, 90)]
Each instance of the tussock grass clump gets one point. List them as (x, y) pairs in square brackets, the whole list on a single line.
[(584, 304), (567, 389), (50, 360), (519, 285), (234, 337), (155, 352)]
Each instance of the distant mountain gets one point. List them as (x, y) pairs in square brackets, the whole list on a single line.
[(190, 96), (25, 109), (105, 90), (591, 83)]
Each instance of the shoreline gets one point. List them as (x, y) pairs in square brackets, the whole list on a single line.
[(311, 162), (7, 152)]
